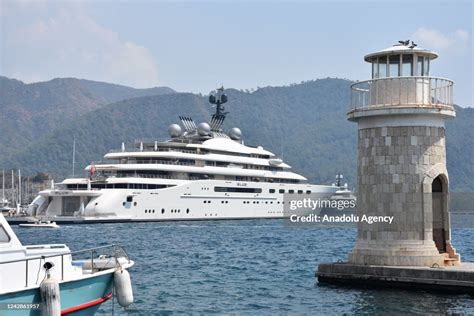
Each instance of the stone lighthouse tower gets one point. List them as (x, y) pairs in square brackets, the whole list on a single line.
[(401, 114)]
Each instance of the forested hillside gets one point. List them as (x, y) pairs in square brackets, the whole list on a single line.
[(305, 123)]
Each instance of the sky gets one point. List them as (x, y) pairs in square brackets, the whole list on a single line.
[(195, 46)]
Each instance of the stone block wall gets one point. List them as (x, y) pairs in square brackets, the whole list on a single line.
[(392, 165)]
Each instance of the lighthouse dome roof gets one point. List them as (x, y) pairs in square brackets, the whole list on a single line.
[(401, 49)]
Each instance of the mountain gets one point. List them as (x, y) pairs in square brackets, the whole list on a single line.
[(29, 111), (460, 150), (305, 123)]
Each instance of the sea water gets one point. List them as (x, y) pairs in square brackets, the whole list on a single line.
[(246, 267)]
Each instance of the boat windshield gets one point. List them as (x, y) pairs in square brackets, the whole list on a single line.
[(4, 237)]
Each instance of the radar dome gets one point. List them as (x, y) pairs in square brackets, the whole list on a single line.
[(204, 129), (174, 130), (235, 133)]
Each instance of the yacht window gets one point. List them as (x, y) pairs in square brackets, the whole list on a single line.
[(291, 191), (130, 198), (272, 190), (237, 189), (308, 192), (4, 238), (300, 191)]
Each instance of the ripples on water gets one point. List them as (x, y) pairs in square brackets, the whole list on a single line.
[(246, 267)]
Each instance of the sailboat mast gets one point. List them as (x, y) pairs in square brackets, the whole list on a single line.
[(73, 156), (19, 186), (13, 187)]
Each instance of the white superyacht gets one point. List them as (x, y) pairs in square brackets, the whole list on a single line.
[(201, 173)]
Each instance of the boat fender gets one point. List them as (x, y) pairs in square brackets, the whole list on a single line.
[(123, 287), (50, 294)]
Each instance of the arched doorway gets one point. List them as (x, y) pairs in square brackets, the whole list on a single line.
[(439, 213)]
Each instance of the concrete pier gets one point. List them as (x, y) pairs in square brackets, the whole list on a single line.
[(401, 173), (455, 279)]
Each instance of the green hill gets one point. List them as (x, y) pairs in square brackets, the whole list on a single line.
[(29, 111)]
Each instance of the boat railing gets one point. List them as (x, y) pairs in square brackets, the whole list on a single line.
[(160, 149), (139, 162), (161, 162), (115, 251), (146, 176)]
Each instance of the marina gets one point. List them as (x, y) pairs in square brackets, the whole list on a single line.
[(391, 252), (133, 183)]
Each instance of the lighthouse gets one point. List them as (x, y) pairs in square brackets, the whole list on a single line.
[(400, 114), (401, 174)]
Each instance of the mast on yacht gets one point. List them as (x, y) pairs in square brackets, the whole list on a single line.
[(218, 118)]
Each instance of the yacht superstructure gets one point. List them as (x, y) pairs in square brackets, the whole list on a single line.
[(201, 173)]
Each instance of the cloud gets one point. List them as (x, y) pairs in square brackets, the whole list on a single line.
[(60, 39), (457, 41)]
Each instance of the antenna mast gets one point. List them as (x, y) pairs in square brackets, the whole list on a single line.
[(218, 118)]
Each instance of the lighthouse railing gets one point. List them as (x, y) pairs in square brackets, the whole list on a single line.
[(413, 91)]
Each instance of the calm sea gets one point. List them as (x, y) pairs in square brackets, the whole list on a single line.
[(246, 267)]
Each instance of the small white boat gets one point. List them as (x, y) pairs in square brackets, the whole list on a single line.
[(56, 279), (40, 224), (344, 194)]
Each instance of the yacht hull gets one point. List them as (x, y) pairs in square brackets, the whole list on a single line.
[(191, 200)]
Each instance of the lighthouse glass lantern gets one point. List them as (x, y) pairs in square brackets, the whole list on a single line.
[(401, 77)]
